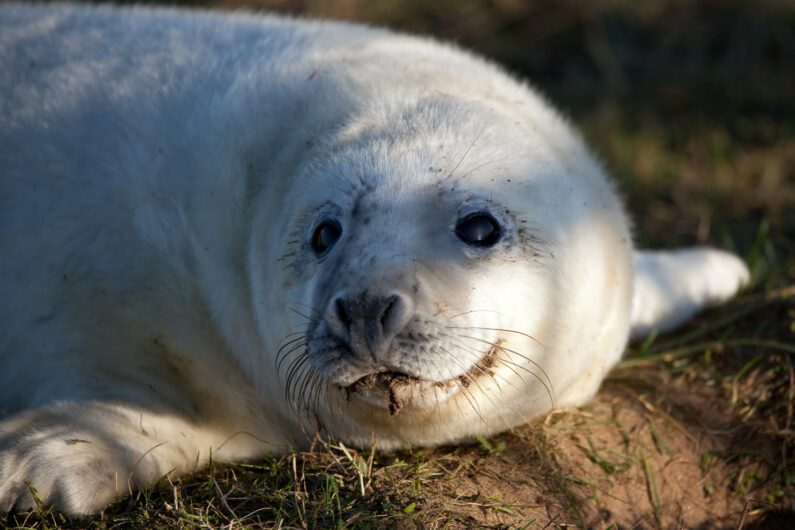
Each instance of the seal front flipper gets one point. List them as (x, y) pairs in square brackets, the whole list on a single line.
[(671, 286), (81, 457)]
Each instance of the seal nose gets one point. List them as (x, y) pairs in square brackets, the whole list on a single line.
[(369, 323)]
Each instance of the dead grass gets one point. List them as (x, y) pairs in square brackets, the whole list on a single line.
[(690, 103)]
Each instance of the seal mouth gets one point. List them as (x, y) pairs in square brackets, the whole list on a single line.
[(399, 388)]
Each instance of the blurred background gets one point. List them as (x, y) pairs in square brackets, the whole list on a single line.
[(690, 103)]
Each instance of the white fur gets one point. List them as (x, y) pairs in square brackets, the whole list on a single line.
[(161, 170), (671, 286)]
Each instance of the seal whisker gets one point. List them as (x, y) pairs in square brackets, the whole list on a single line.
[(286, 353), (286, 349), (484, 164), (313, 310), (319, 383), (300, 385), (476, 366), (464, 156), (304, 386), (299, 313), (504, 330), (508, 350), (294, 370), (297, 404), (475, 407), (504, 362), (511, 366), (473, 311), (484, 371), (435, 364), (333, 396), (348, 187), (292, 364), (293, 334), (464, 390), (341, 190), (286, 341), (549, 389), (475, 379), (463, 367), (287, 338), (309, 389), (457, 404), (305, 398)]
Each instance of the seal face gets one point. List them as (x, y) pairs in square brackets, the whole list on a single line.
[(223, 235), (424, 265), (385, 313)]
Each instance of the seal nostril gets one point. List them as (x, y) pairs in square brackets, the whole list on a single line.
[(392, 317), (385, 314), (342, 313)]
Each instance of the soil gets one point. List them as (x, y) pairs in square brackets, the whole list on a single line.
[(631, 459)]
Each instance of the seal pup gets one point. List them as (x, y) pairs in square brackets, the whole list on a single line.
[(223, 234)]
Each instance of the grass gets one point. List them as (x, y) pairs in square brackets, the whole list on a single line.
[(689, 103)]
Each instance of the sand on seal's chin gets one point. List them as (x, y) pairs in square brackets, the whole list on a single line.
[(395, 390)]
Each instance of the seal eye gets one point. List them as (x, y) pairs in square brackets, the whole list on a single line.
[(326, 234), (479, 229)]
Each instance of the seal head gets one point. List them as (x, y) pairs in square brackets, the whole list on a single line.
[(427, 266)]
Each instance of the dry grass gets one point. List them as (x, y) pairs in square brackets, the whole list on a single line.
[(690, 104)]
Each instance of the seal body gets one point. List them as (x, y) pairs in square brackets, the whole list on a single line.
[(223, 234)]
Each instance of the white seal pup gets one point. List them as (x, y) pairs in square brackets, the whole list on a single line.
[(226, 233)]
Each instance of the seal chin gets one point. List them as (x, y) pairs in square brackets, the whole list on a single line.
[(395, 390)]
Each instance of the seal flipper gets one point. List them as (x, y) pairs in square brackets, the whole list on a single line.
[(670, 286)]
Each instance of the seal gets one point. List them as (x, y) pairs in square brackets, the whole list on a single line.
[(225, 234)]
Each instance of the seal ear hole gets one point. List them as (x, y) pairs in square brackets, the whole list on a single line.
[(479, 230), (325, 236)]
